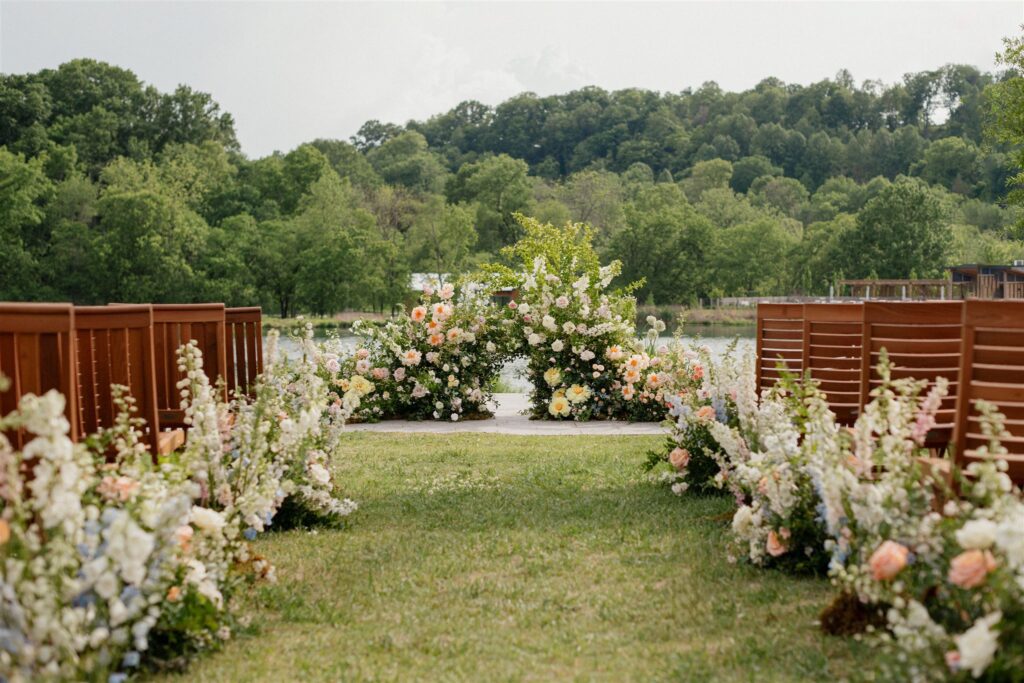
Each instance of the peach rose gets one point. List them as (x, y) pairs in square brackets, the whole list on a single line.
[(679, 457), (183, 534), (174, 594), (969, 568), (418, 314), (706, 413), (775, 545), (888, 560), (436, 339), (5, 531)]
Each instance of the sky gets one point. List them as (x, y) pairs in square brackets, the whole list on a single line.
[(290, 72)]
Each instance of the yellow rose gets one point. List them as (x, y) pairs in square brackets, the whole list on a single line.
[(553, 376), (577, 393), (559, 407), (361, 385)]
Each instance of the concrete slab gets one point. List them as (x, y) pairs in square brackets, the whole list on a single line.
[(509, 419)]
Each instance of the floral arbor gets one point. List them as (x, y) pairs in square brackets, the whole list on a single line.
[(441, 359)]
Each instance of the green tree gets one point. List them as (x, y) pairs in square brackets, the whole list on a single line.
[(707, 175), (406, 160), (667, 244), (905, 228), (500, 187), (442, 237)]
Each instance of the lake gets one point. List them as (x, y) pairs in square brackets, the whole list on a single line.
[(716, 337)]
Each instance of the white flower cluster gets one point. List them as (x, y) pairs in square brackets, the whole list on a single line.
[(99, 545), (943, 565)]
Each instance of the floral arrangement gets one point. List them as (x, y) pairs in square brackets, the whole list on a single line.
[(945, 572), (440, 360), (937, 572), (768, 465), (584, 358), (706, 392), (109, 559)]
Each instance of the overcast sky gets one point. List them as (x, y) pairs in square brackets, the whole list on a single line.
[(290, 72)]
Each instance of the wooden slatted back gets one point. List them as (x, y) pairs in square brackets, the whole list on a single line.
[(992, 369), (114, 345), (37, 354), (779, 339), (922, 340), (245, 347), (173, 326), (832, 341)]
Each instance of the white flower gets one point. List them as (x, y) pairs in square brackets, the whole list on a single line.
[(491, 348), (557, 345), (977, 645), (568, 327), (533, 339), (586, 355), (562, 301), (524, 308), (743, 520), (977, 534), (549, 323), (206, 519), (320, 473)]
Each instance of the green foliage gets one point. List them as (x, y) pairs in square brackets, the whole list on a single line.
[(901, 230), (701, 193)]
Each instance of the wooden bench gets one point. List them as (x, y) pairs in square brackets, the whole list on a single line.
[(832, 354), (779, 339), (922, 340), (114, 345), (992, 369), (37, 354), (173, 326), (244, 348)]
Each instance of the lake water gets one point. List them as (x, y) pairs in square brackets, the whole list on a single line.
[(716, 337)]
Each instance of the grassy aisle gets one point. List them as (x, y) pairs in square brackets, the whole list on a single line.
[(492, 558)]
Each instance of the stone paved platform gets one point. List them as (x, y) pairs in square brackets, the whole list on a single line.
[(508, 419)]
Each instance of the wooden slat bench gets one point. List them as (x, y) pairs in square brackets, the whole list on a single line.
[(114, 345), (832, 340), (37, 354), (922, 340), (245, 347), (779, 339), (173, 326), (992, 369)]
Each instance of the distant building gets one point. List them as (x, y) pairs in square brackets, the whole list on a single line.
[(981, 281)]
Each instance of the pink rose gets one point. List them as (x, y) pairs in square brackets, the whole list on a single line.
[(969, 568), (362, 353), (399, 374), (776, 546), (888, 560), (680, 458), (380, 373)]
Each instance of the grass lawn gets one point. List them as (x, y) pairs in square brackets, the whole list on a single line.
[(497, 558)]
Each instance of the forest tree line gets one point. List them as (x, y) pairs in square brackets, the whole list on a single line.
[(113, 191)]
